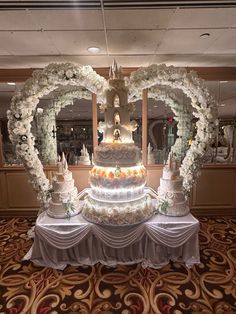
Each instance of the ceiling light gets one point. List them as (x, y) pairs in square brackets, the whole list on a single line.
[(155, 106), (222, 82), (11, 83), (222, 105), (94, 49), (204, 35)]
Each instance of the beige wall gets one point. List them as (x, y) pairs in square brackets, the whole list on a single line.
[(215, 191)]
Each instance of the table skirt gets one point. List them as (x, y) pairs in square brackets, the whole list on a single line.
[(154, 243)]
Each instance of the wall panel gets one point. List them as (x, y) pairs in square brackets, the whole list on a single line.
[(19, 192), (214, 192)]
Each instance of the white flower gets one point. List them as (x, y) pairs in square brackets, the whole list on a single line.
[(69, 73)]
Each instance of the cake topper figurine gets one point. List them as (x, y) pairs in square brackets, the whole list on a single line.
[(117, 138), (116, 117)]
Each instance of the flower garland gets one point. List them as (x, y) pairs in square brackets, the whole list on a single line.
[(45, 124), (182, 114), (65, 97), (23, 106), (201, 100)]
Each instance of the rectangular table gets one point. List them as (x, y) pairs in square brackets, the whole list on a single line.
[(75, 241)]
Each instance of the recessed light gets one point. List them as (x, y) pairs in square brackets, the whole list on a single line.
[(222, 82), (94, 49), (203, 35), (11, 83)]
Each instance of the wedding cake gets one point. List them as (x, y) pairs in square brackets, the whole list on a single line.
[(64, 202), (117, 195), (84, 158), (171, 198)]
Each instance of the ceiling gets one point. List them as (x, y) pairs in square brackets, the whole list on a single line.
[(135, 33)]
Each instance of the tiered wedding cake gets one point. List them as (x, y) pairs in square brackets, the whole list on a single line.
[(171, 198), (117, 180), (64, 202), (84, 158)]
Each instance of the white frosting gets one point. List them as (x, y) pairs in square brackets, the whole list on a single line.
[(172, 200), (123, 194), (58, 210), (64, 196), (170, 174), (117, 183), (112, 155), (61, 176), (171, 185), (118, 213), (176, 197), (180, 209), (64, 187), (84, 158), (60, 196)]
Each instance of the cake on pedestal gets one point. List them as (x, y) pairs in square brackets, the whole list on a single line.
[(64, 197), (84, 158), (117, 195), (171, 198)]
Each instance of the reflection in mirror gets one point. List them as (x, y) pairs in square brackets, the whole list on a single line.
[(223, 149), (64, 124), (6, 93), (162, 132), (169, 124)]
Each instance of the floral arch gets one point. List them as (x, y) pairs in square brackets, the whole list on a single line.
[(25, 101)]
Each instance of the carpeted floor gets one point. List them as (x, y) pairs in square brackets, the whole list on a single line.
[(207, 288)]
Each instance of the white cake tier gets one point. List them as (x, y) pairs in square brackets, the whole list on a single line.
[(118, 213), (112, 178), (60, 196), (86, 163), (170, 174), (84, 160), (61, 177), (176, 197), (58, 210), (178, 209), (120, 194), (171, 185), (64, 187), (117, 154)]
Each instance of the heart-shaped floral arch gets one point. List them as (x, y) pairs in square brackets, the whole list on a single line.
[(44, 81), (23, 106), (203, 104)]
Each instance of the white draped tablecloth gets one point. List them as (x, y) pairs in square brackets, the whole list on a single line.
[(75, 241)]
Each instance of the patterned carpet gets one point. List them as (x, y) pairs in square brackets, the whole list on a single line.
[(207, 288)]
